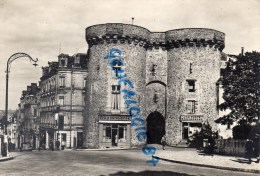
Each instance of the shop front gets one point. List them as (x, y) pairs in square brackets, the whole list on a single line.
[(190, 125), (114, 131)]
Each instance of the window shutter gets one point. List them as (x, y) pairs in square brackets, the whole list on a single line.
[(196, 106), (188, 107)]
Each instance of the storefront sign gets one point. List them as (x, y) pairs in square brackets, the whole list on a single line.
[(196, 118), (114, 118)]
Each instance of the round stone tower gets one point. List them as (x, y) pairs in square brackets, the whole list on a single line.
[(166, 79), (193, 72), (107, 121)]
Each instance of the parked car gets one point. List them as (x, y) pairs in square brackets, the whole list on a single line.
[(26, 146)]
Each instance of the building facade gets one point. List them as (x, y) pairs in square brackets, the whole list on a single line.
[(28, 116), (12, 130), (62, 101), (166, 79), (7, 131)]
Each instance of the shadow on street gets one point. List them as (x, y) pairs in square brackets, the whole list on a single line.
[(18, 155), (240, 160), (148, 173)]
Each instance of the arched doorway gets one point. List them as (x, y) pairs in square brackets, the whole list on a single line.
[(155, 128)]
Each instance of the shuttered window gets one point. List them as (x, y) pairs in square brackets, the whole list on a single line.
[(191, 106), (115, 97)]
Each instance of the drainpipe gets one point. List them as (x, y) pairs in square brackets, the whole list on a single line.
[(71, 96)]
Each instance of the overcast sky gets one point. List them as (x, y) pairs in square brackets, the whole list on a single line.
[(39, 27)]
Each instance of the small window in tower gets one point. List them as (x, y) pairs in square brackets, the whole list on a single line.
[(116, 67), (115, 97), (115, 89), (192, 106), (155, 97), (153, 69), (191, 85)]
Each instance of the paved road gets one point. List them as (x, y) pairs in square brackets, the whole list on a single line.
[(98, 163)]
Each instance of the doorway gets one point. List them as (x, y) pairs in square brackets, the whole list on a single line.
[(115, 134), (114, 137), (155, 128), (79, 139)]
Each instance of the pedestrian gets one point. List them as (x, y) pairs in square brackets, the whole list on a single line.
[(249, 150), (211, 145), (257, 147), (163, 141), (51, 145), (57, 144), (257, 141)]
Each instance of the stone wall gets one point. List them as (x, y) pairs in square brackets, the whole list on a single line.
[(156, 80), (204, 63), (98, 85)]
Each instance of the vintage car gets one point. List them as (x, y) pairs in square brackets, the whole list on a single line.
[(26, 146)]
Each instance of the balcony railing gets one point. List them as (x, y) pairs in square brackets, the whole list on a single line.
[(48, 93), (58, 108)]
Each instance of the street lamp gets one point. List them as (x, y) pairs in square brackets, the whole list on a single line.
[(8, 66)]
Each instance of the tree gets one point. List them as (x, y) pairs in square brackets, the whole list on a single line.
[(198, 137), (241, 88)]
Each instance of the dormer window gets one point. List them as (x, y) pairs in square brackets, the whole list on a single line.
[(62, 62), (77, 60)]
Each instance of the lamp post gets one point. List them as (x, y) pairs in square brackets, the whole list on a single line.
[(8, 66)]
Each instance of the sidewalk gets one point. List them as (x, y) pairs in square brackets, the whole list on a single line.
[(108, 149), (193, 157), (6, 158)]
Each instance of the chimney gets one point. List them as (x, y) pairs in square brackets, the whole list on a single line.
[(34, 88), (242, 50), (29, 88)]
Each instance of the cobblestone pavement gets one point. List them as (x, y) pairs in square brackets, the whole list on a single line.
[(100, 163)]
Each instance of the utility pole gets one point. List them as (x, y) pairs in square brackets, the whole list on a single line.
[(71, 102)]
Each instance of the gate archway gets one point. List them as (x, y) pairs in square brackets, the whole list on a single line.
[(155, 127)]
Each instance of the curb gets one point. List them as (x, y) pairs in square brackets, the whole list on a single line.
[(209, 166), (6, 158), (106, 149)]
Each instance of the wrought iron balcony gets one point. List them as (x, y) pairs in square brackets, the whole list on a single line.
[(58, 108)]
